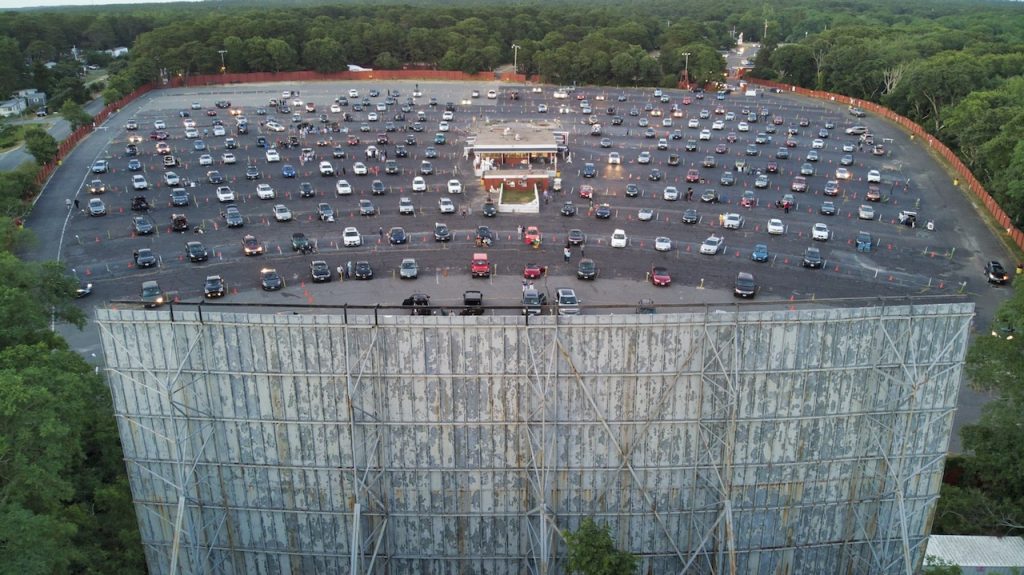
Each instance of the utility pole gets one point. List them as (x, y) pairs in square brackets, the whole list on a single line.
[(764, 37), (223, 67), (686, 69), (515, 58)]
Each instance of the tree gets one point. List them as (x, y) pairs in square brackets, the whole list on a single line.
[(75, 114), (795, 64), (936, 566), (41, 145), (988, 498), (282, 56), (592, 552), (323, 55)]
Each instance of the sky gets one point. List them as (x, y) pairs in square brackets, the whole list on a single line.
[(7, 4)]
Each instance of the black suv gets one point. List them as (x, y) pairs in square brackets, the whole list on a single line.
[(441, 232)]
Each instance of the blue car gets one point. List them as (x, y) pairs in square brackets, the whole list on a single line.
[(760, 253), (288, 171), (199, 145), (134, 165)]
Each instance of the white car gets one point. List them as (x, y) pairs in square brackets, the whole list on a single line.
[(206, 160), (282, 213), (273, 156), (335, 108), (454, 186), (743, 127), (406, 207), (776, 227), (662, 244), (343, 188), (614, 159), (265, 192), (359, 169), (419, 184), (820, 232), (274, 126), (351, 238), (619, 239), (372, 117), (644, 158), (645, 214), (492, 94), (866, 212), (189, 124), (191, 133), (818, 144), (693, 123), (443, 127), (159, 125), (171, 179), (712, 245), (219, 131), (353, 93), (542, 108), (448, 116), (446, 206), (225, 194), (874, 177), (139, 182), (732, 221), (842, 174), (671, 193), (326, 169), (718, 125), (705, 134), (228, 158)]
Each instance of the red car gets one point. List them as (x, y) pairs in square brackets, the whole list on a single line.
[(790, 143), (533, 271), (586, 191), (353, 141), (772, 168), (730, 137), (531, 234), (687, 101), (799, 184), (211, 112), (692, 175), (721, 149), (660, 276)]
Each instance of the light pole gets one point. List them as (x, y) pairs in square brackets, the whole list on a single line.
[(515, 58), (686, 68), (223, 67)]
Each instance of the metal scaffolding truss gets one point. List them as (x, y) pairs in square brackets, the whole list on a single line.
[(463, 444), (190, 532)]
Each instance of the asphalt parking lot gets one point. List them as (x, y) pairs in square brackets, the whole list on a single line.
[(901, 259)]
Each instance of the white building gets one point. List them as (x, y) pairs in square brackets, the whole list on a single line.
[(12, 107), (117, 52), (978, 555)]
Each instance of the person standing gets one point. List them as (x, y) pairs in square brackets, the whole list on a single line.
[(67, 203), (76, 203), (380, 232), (567, 254)]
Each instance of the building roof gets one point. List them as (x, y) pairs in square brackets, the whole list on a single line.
[(515, 136), (975, 551)]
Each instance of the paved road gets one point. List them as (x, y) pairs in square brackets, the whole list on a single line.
[(57, 127), (906, 261)]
